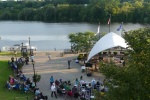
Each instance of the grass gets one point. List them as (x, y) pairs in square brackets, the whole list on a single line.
[(10, 53), (6, 94)]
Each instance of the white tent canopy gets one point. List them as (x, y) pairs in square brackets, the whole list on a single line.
[(108, 41)]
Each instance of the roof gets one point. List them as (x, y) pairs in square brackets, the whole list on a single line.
[(108, 41)]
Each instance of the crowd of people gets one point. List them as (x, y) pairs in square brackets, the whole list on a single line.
[(80, 89), (20, 82)]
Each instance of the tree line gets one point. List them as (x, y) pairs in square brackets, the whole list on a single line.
[(77, 10)]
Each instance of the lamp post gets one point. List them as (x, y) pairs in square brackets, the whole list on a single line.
[(29, 46), (15, 54), (98, 39), (33, 62), (22, 49)]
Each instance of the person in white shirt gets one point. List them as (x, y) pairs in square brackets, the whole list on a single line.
[(77, 61), (83, 68), (53, 90), (32, 58), (49, 56)]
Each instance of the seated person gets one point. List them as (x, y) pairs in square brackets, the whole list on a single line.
[(60, 81), (11, 80), (93, 82), (69, 83), (76, 95), (98, 85), (17, 86), (25, 88), (22, 76), (63, 91), (82, 82), (81, 78), (41, 96), (32, 85), (74, 89), (70, 93), (82, 96), (65, 83), (8, 86), (19, 73), (28, 81), (59, 91), (67, 88), (61, 86), (57, 82), (89, 86), (14, 66), (77, 61), (36, 98), (15, 80), (37, 91)]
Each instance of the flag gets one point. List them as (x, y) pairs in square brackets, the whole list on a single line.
[(108, 21), (120, 27), (98, 30)]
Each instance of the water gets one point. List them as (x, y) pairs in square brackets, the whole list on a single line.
[(47, 36)]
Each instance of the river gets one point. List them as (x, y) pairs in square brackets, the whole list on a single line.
[(47, 36)]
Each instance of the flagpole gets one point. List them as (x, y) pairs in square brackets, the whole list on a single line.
[(98, 39), (109, 23), (122, 30), (99, 30)]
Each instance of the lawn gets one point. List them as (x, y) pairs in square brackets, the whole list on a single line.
[(6, 94), (10, 53)]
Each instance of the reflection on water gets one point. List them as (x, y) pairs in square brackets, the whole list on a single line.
[(47, 36)]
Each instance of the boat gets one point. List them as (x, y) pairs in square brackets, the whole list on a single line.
[(34, 48), (18, 47)]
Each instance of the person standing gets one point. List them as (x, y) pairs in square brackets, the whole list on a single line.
[(69, 61), (51, 80), (32, 58), (83, 68), (53, 90), (49, 56)]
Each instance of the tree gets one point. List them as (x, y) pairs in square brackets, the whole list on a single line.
[(82, 41), (36, 78), (132, 81)]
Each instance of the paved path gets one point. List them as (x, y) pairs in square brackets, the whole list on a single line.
[(58, 67)]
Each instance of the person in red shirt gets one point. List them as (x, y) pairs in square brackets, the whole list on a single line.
[(70, 93)]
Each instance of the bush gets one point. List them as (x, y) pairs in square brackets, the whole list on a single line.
[(20, 65), (80, 56), (36, 78)]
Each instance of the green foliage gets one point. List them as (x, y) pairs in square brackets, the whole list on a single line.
[(25, 54), (77, 10), (6, 94), (20, 65), (36, 78), (80, 56), (11, 53), (82, 42), (131, 82)]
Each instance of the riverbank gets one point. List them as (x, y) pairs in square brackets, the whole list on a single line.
[(51, 36)]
